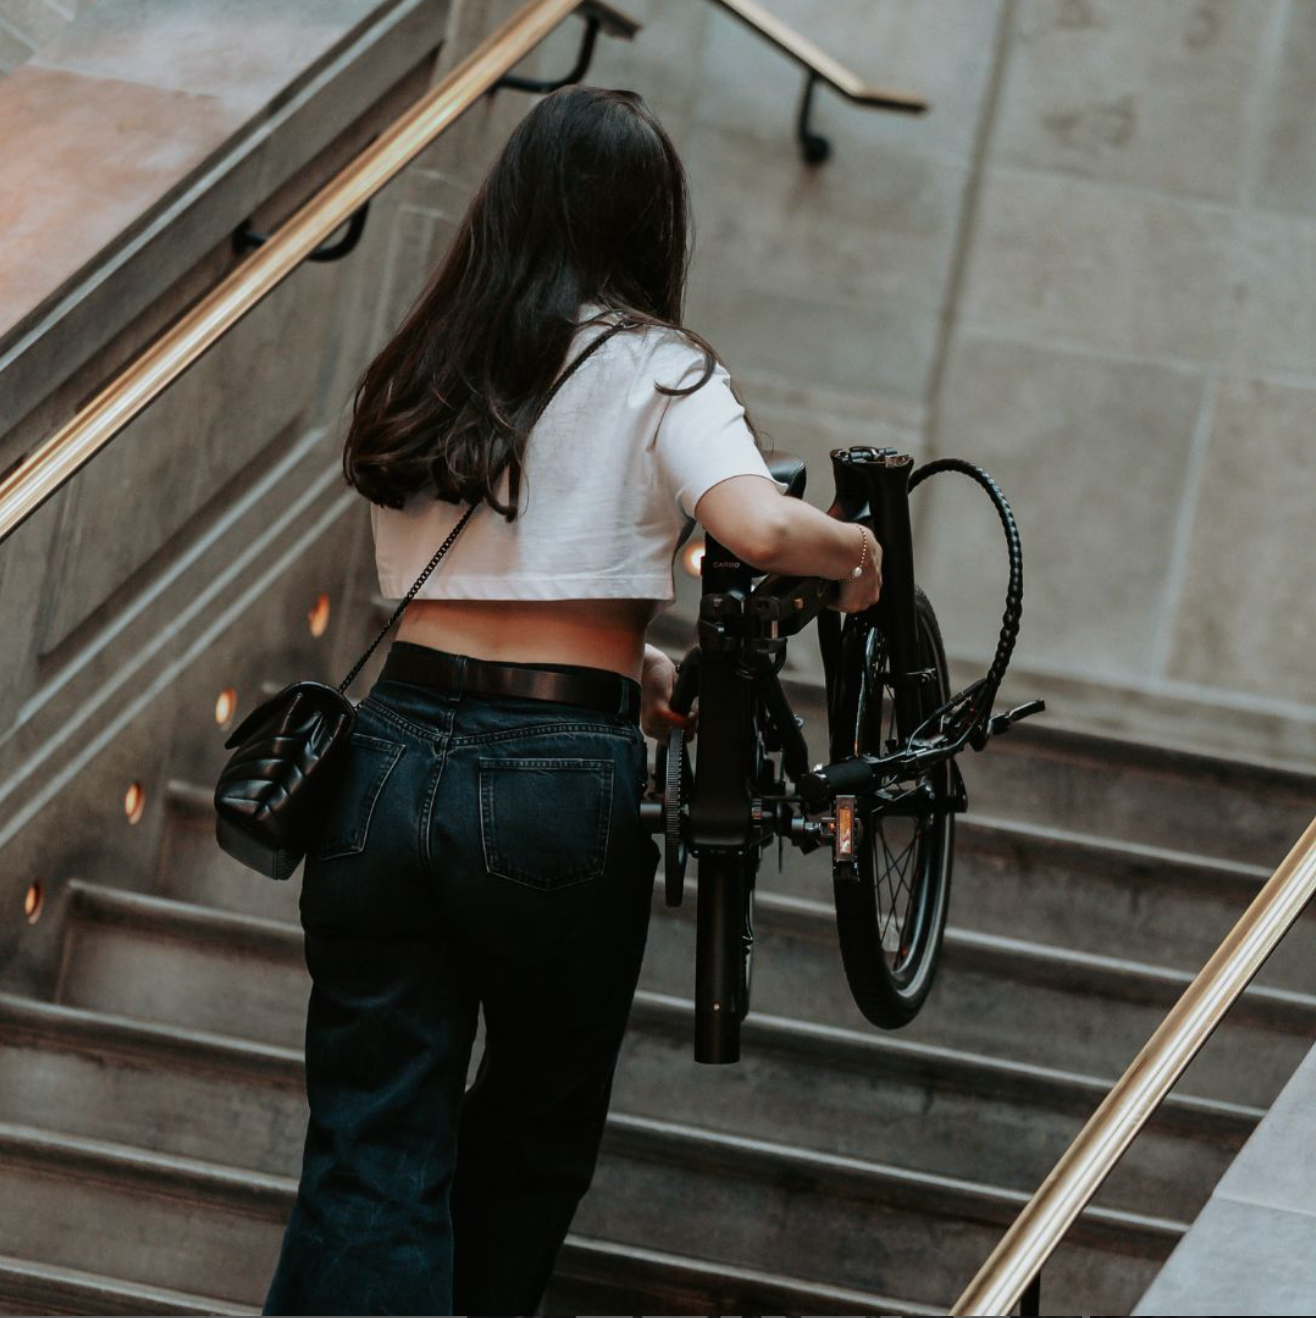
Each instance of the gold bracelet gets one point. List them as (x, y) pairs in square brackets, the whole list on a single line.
[(857, 572)]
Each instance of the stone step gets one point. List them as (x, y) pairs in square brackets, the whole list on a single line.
[(242, 1104), (107, 1209), (30, 1287), (599, 1276), (1150, 904), (154, 959), (1027, 881), (591, 1274), (1005, 998), (1019, 881), (157, 1220), (217, 1099), (188, 1093), (1110, 787), (844, 1221), (936, 1110), (1156, 795)]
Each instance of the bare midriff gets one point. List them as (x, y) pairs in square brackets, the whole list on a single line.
[(599, 633)]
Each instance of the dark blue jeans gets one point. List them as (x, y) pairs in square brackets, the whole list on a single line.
[(476, 850)]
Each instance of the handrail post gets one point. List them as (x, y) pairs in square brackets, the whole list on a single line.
[(814, 147), (1030, 1302)]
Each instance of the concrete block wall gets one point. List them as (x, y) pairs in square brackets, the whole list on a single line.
[(1249, 1251), (26, 25), (1091, 269), (186, 557), (1079, 253)]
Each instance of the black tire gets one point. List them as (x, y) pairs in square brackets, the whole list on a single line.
[(890, 948)]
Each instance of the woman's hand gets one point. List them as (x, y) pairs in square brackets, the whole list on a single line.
[(860, 594), (657, 717)]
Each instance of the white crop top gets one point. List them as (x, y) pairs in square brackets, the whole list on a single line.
[(613, 470)]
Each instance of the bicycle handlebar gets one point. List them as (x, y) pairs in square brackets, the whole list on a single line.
[(786, 605)]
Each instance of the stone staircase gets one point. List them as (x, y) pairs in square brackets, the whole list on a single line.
[(152, 1115)]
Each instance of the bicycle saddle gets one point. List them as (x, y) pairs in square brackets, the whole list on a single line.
[(789, 469)]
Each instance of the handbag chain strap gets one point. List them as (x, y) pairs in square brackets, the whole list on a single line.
[(597, 342)]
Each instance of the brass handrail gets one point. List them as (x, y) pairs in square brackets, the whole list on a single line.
[(817, 61), (40, 474), (1084, 1166), (59, 458)]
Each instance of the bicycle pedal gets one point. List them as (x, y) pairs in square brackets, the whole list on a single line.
[(845, 826), (1002, 722)]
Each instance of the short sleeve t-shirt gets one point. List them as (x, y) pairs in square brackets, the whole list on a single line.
[(613, 471)]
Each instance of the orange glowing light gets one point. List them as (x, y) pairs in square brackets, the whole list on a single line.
[(33, 901), (225, 704), (134, 802), (692, 557), (318, 616)]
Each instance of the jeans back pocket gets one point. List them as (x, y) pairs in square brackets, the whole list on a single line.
[(350, 806), (545, 820)]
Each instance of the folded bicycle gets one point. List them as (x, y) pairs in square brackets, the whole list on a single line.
[(887, 798)]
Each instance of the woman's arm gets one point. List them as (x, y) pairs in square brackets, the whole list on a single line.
[(653, 655), (777, 533), (657, 717)]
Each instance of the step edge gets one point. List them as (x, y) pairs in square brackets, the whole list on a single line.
[(176, 1176), (94, 1285), (169, 1175), (71, 1028), (194, 922), (649, 1133), (591, 1247), (796, 1035), (1093, 851), (1054, 963), (186, 800), (90, 1031), (104, 903)]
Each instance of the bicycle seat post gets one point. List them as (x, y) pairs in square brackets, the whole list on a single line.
[(720, 823)]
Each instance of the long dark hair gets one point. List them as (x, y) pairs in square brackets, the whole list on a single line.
[(587, 202)]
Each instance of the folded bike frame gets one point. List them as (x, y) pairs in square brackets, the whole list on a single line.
[(742, 633)]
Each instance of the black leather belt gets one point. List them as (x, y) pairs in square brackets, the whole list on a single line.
[(572, 684)]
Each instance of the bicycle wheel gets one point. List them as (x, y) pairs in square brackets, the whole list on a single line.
[(891, 918)]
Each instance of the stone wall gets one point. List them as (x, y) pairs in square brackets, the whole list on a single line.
[(1091, 268), (26, 25), (188, 565), (190, 557), (1249, 1251)]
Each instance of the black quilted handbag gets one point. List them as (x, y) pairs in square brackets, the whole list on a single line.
[(288, 751), (286, 754)]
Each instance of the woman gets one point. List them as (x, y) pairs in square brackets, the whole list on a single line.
[(484, 846)]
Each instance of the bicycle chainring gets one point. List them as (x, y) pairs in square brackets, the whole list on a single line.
[(679, 786)]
